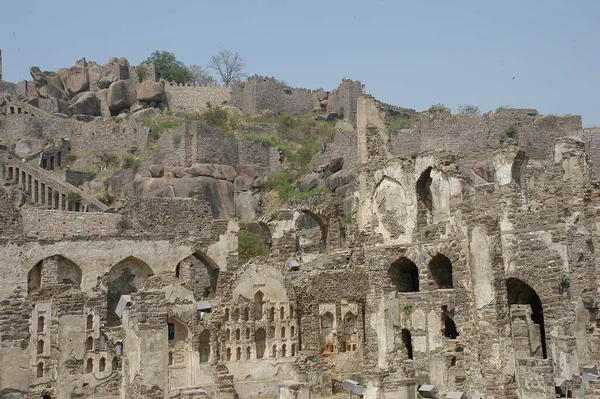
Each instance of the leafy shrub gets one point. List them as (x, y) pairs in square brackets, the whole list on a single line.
[(109, 159), (130, 162), (215, 117), (438, 107), (510, 132), (89, 176), (399, 124), (250, 245), (282, 183), (503, 107), (71, 157), (176, 140), (142, 72), (73, 197), (468, 109)]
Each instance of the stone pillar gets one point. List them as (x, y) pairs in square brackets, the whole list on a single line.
[(50, 271)]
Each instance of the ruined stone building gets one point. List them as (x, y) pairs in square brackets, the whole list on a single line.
[(455, 255)]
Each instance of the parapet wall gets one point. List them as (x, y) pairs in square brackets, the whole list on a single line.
[(259, 94), (194, 97), (59, 225), (475, 137)]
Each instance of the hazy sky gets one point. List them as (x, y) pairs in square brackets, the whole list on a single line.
[(529, 54)]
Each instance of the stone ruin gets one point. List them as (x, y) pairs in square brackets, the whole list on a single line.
[(442, 262)]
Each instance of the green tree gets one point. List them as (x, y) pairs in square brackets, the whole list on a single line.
[(169, 67)]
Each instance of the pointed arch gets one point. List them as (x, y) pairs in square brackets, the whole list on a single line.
[(62, 271), (424, 198), (102, 365), (440, 268), (89, 324), (260, 338), (34, 278), (124, 278), (404, 275), (201, 272), (204, 348), (349, 331), (327, 338), (89, 365), (520, 293), (311, 233), (40, 370), (258, 305), (89, 344)]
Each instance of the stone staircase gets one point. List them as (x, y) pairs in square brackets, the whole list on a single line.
[(44, 189), (225, 383)]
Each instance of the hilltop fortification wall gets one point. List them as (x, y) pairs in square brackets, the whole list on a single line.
[(195, 97)]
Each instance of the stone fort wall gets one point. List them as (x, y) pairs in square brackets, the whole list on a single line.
[(259, 94), (194, 97)]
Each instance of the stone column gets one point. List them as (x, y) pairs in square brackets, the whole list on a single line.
[(50, 270)]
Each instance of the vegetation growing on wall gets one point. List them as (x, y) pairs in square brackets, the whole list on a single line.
[(250, 245)]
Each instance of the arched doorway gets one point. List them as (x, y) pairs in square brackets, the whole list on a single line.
[(311, 235), (260, 338), (58, 270), (201, 272), (327, 338), (124, 278), (404, 275), (440, 268), (520, 293), (424, 198)]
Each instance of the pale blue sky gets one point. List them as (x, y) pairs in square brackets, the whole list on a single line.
[(411, 54)]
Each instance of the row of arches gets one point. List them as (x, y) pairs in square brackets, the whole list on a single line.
[(329, 340), (258, 311), (124, 278), (237, 336), (275, 352), (404, 274)]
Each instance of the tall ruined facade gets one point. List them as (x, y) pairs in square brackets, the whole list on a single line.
[(446, 256)]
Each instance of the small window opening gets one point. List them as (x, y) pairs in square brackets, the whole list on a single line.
[(41, 324), (171, 331), (407, 340), (450, 330)]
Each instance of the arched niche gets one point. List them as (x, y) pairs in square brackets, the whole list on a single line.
[(55, 269), (520, 293), (260, 339), (180, 339), (424, 198), (124, 278), (407, 341), (199, 271), (327, 338), (440, 268), (404, 275), (311, 235), (204, 347), (258, 305), (350, 342)]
